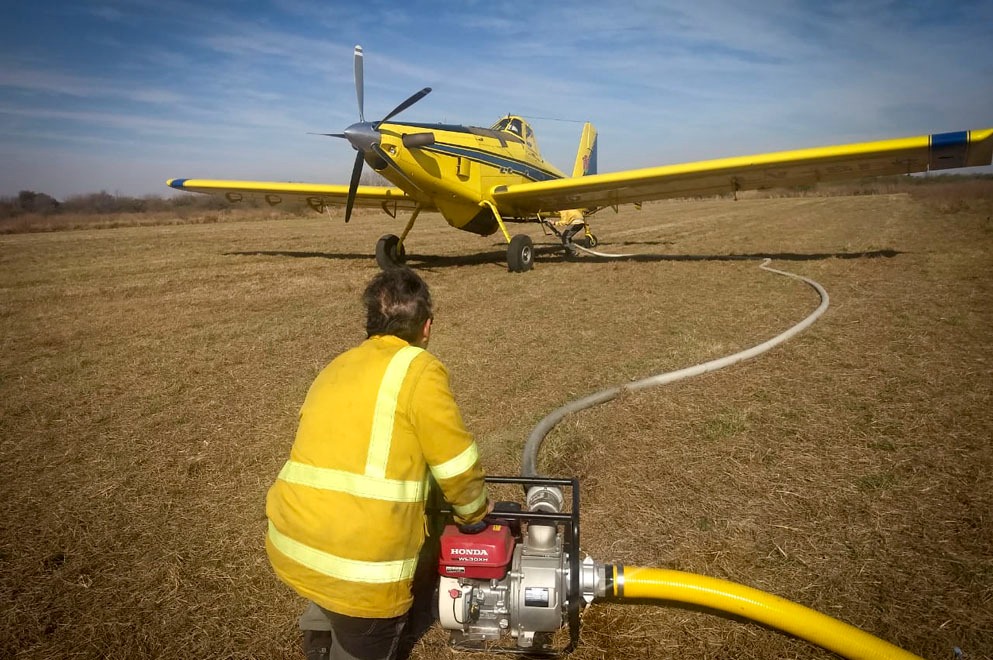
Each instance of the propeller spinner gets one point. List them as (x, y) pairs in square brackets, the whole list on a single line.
[(364, 136)]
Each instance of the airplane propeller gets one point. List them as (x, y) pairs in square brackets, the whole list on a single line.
[(364, 136)]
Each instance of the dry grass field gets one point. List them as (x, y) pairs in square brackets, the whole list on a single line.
[(151, 375)]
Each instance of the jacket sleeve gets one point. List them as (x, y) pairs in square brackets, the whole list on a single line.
[(449, 449)]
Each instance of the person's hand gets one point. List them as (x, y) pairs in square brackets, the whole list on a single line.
[(479, 525)]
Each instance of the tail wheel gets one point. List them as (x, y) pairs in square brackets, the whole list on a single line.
[(589, 241), (390, 252), (520, 254)]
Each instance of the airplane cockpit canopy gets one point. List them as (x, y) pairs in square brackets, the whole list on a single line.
[(520, 128)]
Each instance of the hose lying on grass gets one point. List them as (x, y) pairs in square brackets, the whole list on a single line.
[(530, 458), (676, 586), (665, 585)]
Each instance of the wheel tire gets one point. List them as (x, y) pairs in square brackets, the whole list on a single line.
[(589, 241), (390, 252), (520, 254)]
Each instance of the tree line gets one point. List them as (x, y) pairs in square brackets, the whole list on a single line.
[(31, 202)]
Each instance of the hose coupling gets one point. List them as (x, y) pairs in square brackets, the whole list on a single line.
[(592, 579), (545, 498)]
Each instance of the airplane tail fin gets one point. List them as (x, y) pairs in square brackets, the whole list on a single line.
[(586, 158)]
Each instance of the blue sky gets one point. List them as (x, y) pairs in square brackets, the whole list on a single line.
[(119, 95)]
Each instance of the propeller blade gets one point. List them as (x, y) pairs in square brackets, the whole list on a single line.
[(338, 135), (414, 98), (359, 83), (353, 186)]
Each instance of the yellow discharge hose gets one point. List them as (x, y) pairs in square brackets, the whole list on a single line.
[(803, 622)]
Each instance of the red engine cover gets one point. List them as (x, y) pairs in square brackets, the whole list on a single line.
[(485, 555)]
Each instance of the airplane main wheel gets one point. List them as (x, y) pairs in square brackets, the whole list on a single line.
[(520, 254), (390, 252), (590, 241)]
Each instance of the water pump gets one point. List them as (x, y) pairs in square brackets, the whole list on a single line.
[(516, 576), (511, 582)]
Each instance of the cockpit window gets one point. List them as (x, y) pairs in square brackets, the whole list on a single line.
[(511, 124), (518, 128)]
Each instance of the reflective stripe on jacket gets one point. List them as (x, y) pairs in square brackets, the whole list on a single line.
[(346, 514)]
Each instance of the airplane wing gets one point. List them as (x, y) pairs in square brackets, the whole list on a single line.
[(316, 195), (772, 170)]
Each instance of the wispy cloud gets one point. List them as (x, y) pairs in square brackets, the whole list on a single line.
[(63, 84), (235, 88)]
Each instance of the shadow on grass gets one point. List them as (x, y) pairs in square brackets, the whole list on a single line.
[(428, 261), (555, 254), (662, 603), (775, 256), (296, 255)]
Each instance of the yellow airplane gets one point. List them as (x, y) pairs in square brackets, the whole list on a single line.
[(481, 179)]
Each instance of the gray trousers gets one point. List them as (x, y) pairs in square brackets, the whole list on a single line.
[(332, 636)]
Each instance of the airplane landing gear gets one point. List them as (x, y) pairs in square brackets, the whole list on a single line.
[(589, 241), (568, 236), (520, 254), (390, 252)]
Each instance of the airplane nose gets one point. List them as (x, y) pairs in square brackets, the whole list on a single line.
[(362, 136)]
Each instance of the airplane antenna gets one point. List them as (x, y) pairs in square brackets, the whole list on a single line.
[(574, 121)]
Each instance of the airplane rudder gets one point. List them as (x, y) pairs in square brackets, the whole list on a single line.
[(591, 169), (586, 157)]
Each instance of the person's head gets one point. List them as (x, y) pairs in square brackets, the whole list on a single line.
[(398, 302)]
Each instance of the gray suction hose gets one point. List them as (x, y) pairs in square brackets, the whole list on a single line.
[(663, 585), (529, 460)]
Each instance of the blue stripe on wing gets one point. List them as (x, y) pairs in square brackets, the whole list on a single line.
[(949, 150)]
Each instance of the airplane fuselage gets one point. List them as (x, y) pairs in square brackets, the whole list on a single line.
[(480, 179), (455, 168)]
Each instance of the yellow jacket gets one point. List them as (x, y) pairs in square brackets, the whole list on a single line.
[(346, 514)]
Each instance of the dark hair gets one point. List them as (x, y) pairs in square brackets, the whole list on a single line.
[(397, 302)]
